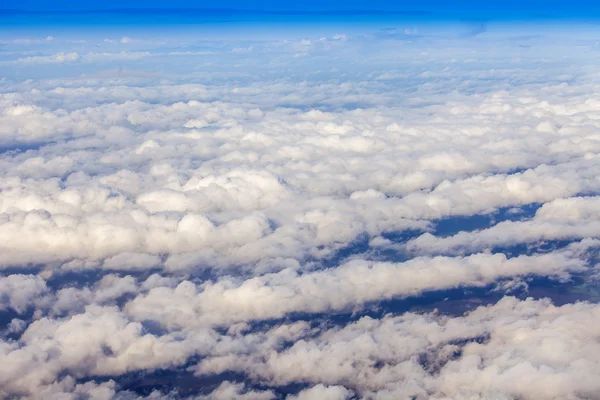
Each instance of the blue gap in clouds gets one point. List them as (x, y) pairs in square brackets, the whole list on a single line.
[(528, 249), (180, 382), (443, 227), (12, 149), (453, 225), (7, 316), (454, 302)]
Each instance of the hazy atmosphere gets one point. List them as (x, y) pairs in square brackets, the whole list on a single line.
[(307, 202)]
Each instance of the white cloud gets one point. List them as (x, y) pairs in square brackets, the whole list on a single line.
[(28, 41), (19, 292), (98, 342), (56, 58), (323, 392), (500, 351), (228, 390), (220, 200), (230, 300), (560, 219)]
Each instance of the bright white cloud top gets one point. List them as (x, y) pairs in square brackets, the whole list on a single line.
[(405, 213)]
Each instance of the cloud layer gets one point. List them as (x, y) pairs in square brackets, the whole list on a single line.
[(399, 213)]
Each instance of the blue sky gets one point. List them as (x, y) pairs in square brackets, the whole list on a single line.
[(467, 7), (69, 14)]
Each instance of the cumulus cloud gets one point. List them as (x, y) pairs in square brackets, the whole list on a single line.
[(353, 284), (99, 341), (323, 392), (27, 41), (500, 351), (91, 57), (19, 292), (560, 219), (229, 390), (246, 216), (55, 58)]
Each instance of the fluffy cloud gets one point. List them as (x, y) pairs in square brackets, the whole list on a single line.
[(60, 57), (350, 285), (247, 213), (99, 341), (514, 349), (228, 390), (323, 392), (19, 292), (560, 219)]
